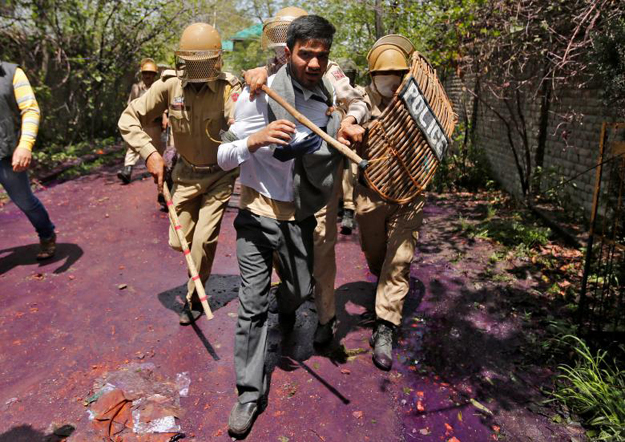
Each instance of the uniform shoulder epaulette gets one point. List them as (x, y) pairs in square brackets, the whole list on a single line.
[(168, 73), (227, 76)]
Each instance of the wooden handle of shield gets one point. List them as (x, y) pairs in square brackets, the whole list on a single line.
[(175, 223), (345, 150)]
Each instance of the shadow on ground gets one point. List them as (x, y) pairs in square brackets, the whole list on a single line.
[(25, 433), (482, 334), (27, 256)]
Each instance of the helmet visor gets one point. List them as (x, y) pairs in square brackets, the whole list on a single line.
[(199, 66), (274, 32)]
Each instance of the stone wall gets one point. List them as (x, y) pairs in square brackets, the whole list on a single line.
[(572, 137)]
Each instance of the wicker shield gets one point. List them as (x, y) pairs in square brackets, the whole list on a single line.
[(406, 144)]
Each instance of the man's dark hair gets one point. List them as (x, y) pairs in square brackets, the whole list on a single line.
[(310, 27)]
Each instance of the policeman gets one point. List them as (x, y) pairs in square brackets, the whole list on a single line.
[(200, 101), (149, 72), (388, 232), (325, 235), (350, 168)]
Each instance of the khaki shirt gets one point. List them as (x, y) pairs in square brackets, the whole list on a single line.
[(136, 91), (261, 205), (196, 118), (347, 96)]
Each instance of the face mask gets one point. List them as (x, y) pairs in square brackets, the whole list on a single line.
[(386, 85), (280, 54)]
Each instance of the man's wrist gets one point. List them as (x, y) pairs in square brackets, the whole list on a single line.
[(250, 143), (26, 146), (349, 120)]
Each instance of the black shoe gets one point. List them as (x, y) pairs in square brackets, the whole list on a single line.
[(125, 174), (382, 343), (287, 321), (347, 224), (190, 314), (242, 417), (161, 201), (324, 333)]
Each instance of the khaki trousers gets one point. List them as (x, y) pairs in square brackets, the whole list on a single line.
[(324, 268), (349, 180), (388, 236), (200, 200), (154, 132)]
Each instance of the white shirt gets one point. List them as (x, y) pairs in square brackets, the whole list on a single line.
[(260, 170)]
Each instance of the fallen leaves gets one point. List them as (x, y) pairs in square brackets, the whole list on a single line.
[(345, 371), (480, 407), (357, 414)]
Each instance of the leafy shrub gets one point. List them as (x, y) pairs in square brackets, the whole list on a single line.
[(594, 388)]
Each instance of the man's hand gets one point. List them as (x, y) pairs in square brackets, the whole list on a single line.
[(21, 159), (255, 78), (156, 166), (350, 132), (279, 132)]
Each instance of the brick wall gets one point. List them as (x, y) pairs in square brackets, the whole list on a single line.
[(572, 142)]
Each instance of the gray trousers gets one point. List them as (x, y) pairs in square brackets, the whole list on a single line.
[(257, 239)]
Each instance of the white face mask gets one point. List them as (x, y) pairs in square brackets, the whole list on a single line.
[(387, 84), (280, 54)]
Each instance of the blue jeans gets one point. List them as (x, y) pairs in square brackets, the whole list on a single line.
[(17, 185)]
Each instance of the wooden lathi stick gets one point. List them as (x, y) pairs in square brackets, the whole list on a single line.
[(345, 150), (175, 223)]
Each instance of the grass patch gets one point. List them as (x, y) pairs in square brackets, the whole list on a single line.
[(594, 388), (515, 232)]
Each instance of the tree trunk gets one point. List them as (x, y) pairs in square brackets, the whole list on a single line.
[(379, 25)]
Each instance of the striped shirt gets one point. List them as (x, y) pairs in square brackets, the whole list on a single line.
[(29, 109)]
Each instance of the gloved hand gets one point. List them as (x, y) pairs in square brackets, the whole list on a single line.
[(310, 144)]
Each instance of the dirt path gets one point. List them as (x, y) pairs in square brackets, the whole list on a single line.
[(111, 295)]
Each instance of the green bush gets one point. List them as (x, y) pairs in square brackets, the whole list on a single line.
[(465, 167), (609, 56), (594, 388)]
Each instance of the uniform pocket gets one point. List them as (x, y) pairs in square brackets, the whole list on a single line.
[(211, 127), (179, 122)]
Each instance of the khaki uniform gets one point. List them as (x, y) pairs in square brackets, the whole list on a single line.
[(196, 119), (153, 128), (352, 102), (388, 236), (350, 171)]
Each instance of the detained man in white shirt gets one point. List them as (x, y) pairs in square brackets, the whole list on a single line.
[(286, 175)]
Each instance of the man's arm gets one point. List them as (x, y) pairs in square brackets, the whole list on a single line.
[(134, 93), (232, 154), (232, 92), (29, 109), (347, 95), (351, 102), (139, 113)]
